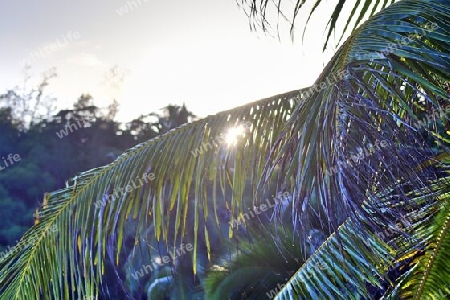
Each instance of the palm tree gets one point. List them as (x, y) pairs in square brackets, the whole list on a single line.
[(322, 144)]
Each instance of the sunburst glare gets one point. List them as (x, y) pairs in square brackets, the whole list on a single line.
[(233, 134)]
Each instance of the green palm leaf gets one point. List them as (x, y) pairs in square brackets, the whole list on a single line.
[(356, 257), (379, 99), (352, 259), (429, 276), (254, 266), (298, 137), (260, 13), (370, 105), (70, 261)]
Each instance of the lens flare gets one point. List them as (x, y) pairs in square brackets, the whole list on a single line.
[(233, 134)]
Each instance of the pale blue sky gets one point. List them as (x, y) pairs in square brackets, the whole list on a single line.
[(200, 52)]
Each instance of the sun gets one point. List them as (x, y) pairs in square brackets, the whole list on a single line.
[(233, 134)]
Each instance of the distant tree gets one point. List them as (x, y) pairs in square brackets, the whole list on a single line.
[(112, 110), (30, 104), (173, 116), (15, 219)]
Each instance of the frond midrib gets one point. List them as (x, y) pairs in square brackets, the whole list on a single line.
[(429, 265)]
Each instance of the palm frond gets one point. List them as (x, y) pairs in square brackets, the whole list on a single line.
[(295, 138), (155, 182), (377, 100), (381, 99), (356, 257), (429, 276), (260, 13), (349, 259), (253, 266)]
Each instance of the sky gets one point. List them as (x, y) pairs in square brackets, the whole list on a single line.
[(198, 52)]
